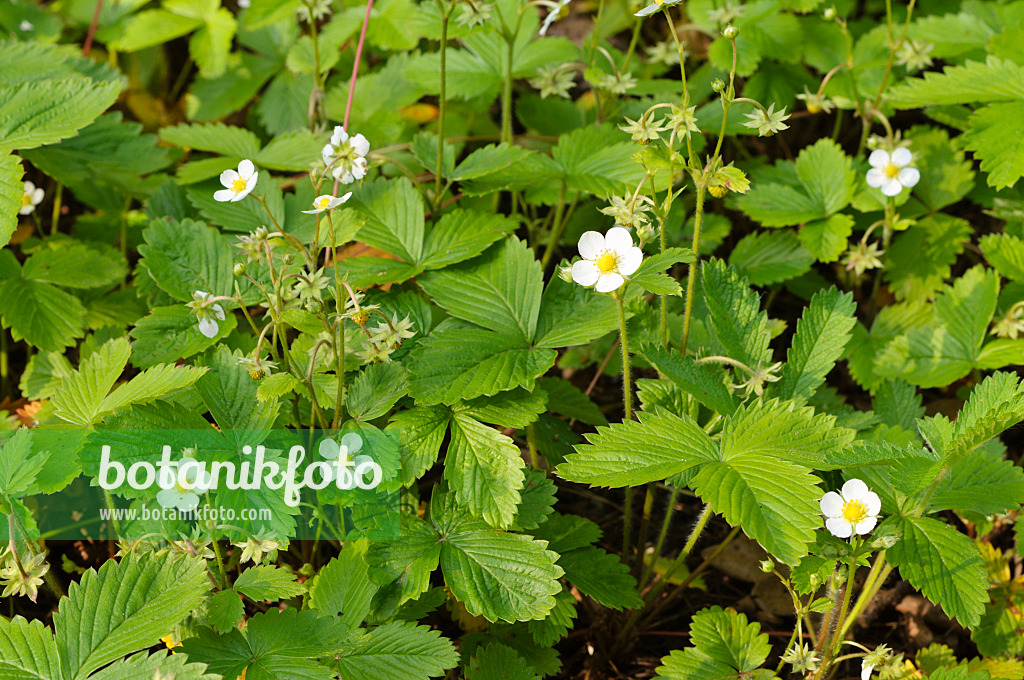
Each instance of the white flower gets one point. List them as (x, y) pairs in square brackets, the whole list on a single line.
[(332, 450), (346, 156), (655, 6), (606, 259), (32, 197), (890, 171), (553, 16), (854, 510), (327, 202), (25, 25), (209, 314), (238, 184), (865, 670), (243, 4), (186, 499)]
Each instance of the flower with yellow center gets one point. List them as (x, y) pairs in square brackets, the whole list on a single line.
[(889, 171), (607, 259), (327, 202), (654, 7), (237, 184), (345, 155), (177, 496), (32, 197), (854, 510)]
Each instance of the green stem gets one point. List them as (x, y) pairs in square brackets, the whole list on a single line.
[(531, 442), (442, 102), (691, 277), (557, 227), (4, 368), (506, 95), (665, 523), (876, 577), (627, 405), (55, 215), (645, 523)]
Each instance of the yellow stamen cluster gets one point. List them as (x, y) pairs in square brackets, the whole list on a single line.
[(854, 512), (238, 186), (606, 262), (891, 170)]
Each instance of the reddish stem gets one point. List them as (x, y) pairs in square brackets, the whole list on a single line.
[(92, 28), (355, 72)]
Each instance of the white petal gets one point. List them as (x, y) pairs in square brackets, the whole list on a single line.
[(609, 282), (866, 525), (219, 311), (352, 441), (619, 240), (37, 195), (647, 11), (901, 157), (329, 449), (29, 187), (585, 273), (855, 490), (312, 212), (630, 260), (872, 502), (832, 504), (250, 183), (327, 153), (878, 158), (908, 177), (839, 527), (26, 209), (203, 293), (591, 244), (361, 145), (224, 195), (339, 136), (875, 177), (208, 327), (167, 498), (865, 671), (228, 177), (345, 198), (359, 168), (892, 187), (188, 501), (246, 169)]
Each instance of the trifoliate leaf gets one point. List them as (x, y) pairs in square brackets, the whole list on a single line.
[(724, 645), (821, 337)]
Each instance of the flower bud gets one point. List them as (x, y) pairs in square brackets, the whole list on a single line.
[(289, 258), (646, 233), (717, 85), (239, 269), (731, 32), (767, 566), (314, 307), (718, 191), (565, 273), (829, 14)]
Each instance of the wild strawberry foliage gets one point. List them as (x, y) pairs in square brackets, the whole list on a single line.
[(536, 307)]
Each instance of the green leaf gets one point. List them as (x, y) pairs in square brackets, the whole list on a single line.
[(1005, 252), (994, 137), (210, 46), (343, 586), (735, 315), (498, 575), (142, 666), (464, 363), (47, 111), (558, 623), (501, 290), (780, 429), (698, 380), (725, 645), (898, 404), (27, 650), (921, 258), (827, 175), (74, 265), (276, 645), (514, 408), (85, 397), (265, 582), (422, 430), (394, 212), (151, 27), (631, 453), (538, 497), (224, 610), (572, 315), (227, 140), (774, 501), (944, 565), (291, 152), (485, 470), (946, 176), (994, 406), (489, 160), (43, 375), (12, 189), (821, 338), (827, 239), (463, 234), (651, 274), (498, 662), (602, 576), (971, 83), (768, 257), (171, 333), (980, 483), (398, 650), (229, 394), (123, 608), (597, 159), (183, 257), (19, 465), (41, 315), (375, 390), (568, 400)]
